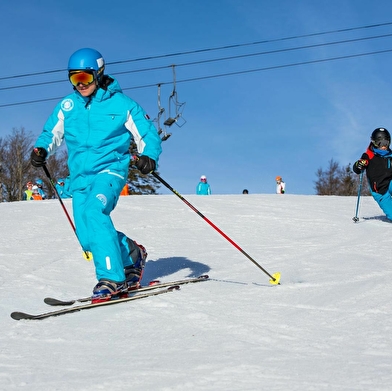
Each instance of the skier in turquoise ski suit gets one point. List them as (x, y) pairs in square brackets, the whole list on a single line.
[(98, 129), (203, 188), (62, 187)]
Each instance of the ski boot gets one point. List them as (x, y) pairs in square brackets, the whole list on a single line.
[(108, 290), (134, 273)]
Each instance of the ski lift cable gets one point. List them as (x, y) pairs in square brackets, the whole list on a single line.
[(214, 76), (190, 63)]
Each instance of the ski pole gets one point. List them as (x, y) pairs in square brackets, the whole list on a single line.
[(87, 255), (275, 278), (355, 218)]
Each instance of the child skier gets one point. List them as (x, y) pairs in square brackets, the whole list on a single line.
[(377, 161)]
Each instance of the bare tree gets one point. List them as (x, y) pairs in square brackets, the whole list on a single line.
[(329, 180), (2, 188), (16, 168), (338, 180), (348, 182)]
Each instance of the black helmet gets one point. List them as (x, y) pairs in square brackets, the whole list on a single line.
[(381, 138)]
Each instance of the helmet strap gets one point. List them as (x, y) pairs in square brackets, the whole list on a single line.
[(105, 81)]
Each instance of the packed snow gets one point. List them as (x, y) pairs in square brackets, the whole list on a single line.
[(328, 326)]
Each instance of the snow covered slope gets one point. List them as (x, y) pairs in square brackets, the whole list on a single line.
[(328, 326)]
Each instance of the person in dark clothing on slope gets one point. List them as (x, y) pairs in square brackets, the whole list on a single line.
[(377, 161)]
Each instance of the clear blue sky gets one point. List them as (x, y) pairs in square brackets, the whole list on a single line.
[(242, 130)]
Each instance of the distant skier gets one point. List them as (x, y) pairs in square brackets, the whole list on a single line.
[(28, 192), (62, 187), (39, 183), (377, 161), (280, 185), (203, 188), (36, 196)]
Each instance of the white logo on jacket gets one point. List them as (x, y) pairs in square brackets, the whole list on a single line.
[(102, 198), (67, 105)]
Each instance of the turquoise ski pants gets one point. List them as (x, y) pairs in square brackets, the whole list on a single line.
[(385, 201), (95, 230)]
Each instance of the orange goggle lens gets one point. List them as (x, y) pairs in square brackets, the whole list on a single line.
[(81, 77)]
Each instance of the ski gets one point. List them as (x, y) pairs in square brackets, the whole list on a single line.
[(54, 302), (22, 315)]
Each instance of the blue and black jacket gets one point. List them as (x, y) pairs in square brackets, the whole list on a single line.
[(378, 170)]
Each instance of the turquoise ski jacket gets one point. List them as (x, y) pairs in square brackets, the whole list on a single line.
[(98, 131), (203, 189)]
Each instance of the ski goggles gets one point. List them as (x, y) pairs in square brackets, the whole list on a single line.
[(81, 77), (381, 142)]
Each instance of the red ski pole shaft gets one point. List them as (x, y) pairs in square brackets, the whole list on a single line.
[(58, 197), (86, 253), (211, 223)]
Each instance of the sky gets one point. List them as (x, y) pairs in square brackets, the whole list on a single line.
[(262, 96), (326, 327)]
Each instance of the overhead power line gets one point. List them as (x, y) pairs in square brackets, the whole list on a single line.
[(312, 46), (212, 49), (226, 58), (224, 74)]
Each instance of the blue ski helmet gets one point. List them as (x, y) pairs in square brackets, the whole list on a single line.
[(381, 138), (87, 59)]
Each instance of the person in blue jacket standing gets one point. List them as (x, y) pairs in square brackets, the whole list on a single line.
[(62, 187), (98, 123), (203, 188)]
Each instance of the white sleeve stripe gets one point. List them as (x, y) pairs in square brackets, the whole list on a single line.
[(58, 133), (131, 126)]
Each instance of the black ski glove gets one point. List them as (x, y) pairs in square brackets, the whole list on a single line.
[(361, 164), (145, 164), (38, 157)]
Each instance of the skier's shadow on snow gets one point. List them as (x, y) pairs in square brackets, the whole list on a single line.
[(167, 266), (380, 218)]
